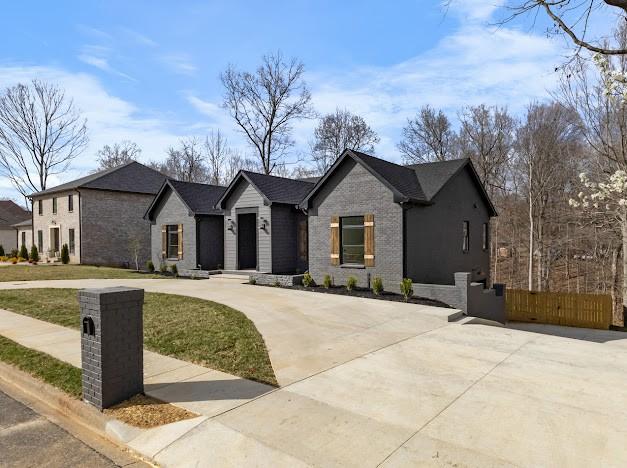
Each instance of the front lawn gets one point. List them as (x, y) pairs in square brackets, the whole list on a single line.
[(60, 374), (194, 330), (66, 272)]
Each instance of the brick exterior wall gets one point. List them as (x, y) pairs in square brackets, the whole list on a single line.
[(173, 211), (64, 220), (112, 357), (353, 191), (111, 223)]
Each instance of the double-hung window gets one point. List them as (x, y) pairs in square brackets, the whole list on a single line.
[(70, 202), (466, 237), (40, 207), (40, 241), (54, 205), (352, 240), (72, 239), (172, 239), (23, 238)]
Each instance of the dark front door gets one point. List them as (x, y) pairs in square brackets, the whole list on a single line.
[(247, 241)]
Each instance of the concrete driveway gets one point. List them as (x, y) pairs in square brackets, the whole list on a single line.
[(393, 385)]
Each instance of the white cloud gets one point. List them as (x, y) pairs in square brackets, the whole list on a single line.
[(179, 63), (98, 56), (109, 118), (473, 10)]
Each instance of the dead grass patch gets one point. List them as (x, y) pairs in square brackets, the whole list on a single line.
[(146, 412)]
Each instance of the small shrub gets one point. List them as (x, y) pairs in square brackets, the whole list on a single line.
[(174, 270), (307, 279), (351, 282), (21, 259), (163, 268), (406, 288), (24, 252), (277, 284), (14, 253), (377, 286), (1, 251), (150, 266), (252, 280), (327, 282), (65, 254), (34, 254)]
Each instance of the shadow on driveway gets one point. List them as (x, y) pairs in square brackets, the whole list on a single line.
[(208, 390)]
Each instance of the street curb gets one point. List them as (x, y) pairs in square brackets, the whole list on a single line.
[(76, 417)]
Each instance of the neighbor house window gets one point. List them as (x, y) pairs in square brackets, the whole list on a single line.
[(23, 238), (54, 205), (70, 202), (72, 245), (485, 236), (352, 239), (172, 241), (466, 234), (40, 241), (40, 207)]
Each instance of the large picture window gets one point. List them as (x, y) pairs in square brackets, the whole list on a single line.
[(172, 239), (352, 239)]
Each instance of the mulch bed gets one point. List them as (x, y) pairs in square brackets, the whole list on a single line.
[(146, 412), (365, 293)]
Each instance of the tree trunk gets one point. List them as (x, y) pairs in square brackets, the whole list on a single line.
[(624, 291), (530, 275), (617, 306)]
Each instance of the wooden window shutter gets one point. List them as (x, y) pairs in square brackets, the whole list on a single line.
[(335, 240), (369, 240), (180, 236), (164, 241)]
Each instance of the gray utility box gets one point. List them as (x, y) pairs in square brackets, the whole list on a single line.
[(112, 344)]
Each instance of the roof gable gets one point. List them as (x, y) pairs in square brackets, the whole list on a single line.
[(131, 177), (11, 213), (273, 189), (200, 199)]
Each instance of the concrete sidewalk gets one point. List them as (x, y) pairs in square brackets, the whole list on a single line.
[(198, 389)]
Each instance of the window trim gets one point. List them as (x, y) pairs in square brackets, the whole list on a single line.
[(363, 245), (466, 236), (171, 229)]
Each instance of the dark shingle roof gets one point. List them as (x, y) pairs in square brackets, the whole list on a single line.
[(130, 177), (11, 213), (200, 198), (432, 176), (279, 189)]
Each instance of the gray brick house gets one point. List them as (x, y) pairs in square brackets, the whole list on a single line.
[(264, 229), (100, 217), (186, 228), (369, 217), (11, 214)]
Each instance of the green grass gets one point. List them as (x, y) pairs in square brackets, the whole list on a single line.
[(64, 376), (194, 330), (62, 272)]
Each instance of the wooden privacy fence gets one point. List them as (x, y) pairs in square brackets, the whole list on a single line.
[(570, 309)]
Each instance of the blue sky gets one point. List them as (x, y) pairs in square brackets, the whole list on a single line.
[(148, 71)]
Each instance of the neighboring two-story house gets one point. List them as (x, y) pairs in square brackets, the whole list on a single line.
[(99, 217)]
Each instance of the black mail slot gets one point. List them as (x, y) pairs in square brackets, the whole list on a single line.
[(88, 326)]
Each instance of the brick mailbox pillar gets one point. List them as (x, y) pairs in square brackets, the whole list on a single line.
[(112, 342)]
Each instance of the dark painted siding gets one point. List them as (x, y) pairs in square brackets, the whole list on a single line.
[(210, 239), (284, 237), (434, 234)]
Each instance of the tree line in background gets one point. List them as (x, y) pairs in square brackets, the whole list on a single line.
[(557, 174)]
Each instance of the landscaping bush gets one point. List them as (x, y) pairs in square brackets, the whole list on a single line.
[(174, 270), (351, 282), (406, 288), (277, 284), (1, 251), (150, 266), (327, 282), (377, 286), (14, 253), (307, 279), (23, 252), (163, 268), (34, 254), (252, 280), (65, 254)]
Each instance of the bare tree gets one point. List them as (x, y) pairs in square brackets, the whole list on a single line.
[(339, 131), (427, 137), (237, 162), (41, 132), (187, 162), (265, 103), (486, 136), (217, 153), (117, 154)]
